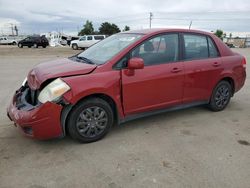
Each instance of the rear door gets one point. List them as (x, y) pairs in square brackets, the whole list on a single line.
[(202, 64), (90, 41), (160, 83)]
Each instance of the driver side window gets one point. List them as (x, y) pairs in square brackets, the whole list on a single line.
[(158, 50), (83, 39)]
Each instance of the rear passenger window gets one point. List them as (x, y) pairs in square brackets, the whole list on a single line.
[(89, 38), (213, 52), (158, 50), (195, 47)]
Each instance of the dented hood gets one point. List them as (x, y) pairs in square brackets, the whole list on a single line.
[(54, 69)]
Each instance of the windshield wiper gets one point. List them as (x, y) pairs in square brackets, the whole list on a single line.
[(85, 60)]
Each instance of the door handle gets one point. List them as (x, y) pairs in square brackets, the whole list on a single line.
[(176, 70), (216, 64)]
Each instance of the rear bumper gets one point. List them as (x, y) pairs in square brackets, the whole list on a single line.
[(41, 122), (241, 79)]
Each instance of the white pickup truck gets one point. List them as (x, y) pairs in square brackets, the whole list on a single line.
[(5, 40), (86, 41)]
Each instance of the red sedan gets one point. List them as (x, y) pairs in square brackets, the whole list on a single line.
[(126, 76)]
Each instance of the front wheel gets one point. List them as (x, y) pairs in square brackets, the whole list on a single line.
[(75, 46), (90, 120), (221, 96)]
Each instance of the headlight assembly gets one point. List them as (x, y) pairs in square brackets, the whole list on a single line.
[(53, 91)]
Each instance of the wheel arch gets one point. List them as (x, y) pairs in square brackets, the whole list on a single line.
[(231, 81), (68, 108)]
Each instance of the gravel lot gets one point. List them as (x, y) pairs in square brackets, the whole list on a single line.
[(188, 148)]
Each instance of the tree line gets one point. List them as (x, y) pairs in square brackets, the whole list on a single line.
[(106, 28)]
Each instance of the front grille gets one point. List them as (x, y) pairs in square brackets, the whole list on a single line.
[(26, 98)]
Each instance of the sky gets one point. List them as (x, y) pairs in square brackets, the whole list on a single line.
[(32, 16)]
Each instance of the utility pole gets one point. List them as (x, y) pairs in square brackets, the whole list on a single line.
[(12, 29), (16, 30), (150, 19)]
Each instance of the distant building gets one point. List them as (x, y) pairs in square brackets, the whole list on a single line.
[(247, 42), (237, 42), (238, 39)]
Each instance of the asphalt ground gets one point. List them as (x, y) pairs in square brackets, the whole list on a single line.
[(188, 148)]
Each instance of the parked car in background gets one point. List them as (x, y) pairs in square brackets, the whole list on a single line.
[(230, 45), (86, 41), (6, 40), (126, 76), (34, 41)]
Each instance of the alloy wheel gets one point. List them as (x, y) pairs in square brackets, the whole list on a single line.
[(92, 121), (222, 96)]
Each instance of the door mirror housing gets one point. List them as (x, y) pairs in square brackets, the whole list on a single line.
[(136, 63)]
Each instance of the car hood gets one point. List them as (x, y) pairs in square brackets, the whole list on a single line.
[(54, 69)]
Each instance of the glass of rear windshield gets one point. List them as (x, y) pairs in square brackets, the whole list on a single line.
[(104, 50)]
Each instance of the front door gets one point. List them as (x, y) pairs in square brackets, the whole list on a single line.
[(160, 83)]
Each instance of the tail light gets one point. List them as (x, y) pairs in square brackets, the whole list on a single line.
[(244, 62)]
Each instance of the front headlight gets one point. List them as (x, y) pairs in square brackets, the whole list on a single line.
[(53, 91)]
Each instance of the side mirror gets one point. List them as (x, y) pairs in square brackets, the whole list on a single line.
[(136, 63)]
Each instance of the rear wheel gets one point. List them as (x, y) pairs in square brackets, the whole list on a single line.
[(44, 46), (90, 120), (221, 96), (75, 46)]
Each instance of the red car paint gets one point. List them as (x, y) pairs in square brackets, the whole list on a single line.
[(135, 92), (44, 120), (55, 69)]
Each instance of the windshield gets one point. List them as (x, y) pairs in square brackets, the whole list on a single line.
[(104, 50)]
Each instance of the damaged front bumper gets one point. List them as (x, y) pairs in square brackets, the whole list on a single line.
[(36, 120)]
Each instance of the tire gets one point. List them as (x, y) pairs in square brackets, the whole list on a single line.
[(90, 120), (20, 45), (44, 46), (14, 43), (221, 96), (35, 45), (75, 46), (29, 46)]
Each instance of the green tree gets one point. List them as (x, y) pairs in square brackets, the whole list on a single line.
[(88, 28), (108, 29), (219, 33), (126, 28)]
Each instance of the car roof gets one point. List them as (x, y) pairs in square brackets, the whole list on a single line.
[(163, 30)]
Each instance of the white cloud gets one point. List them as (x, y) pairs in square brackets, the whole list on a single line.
[(46, 15)]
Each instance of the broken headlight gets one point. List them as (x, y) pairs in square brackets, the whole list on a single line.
[(53, 91)]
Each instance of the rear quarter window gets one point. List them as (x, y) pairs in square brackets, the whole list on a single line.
[(98, 37), (213, 51)]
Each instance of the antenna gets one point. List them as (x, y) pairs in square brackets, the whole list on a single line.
[(190, 24)]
